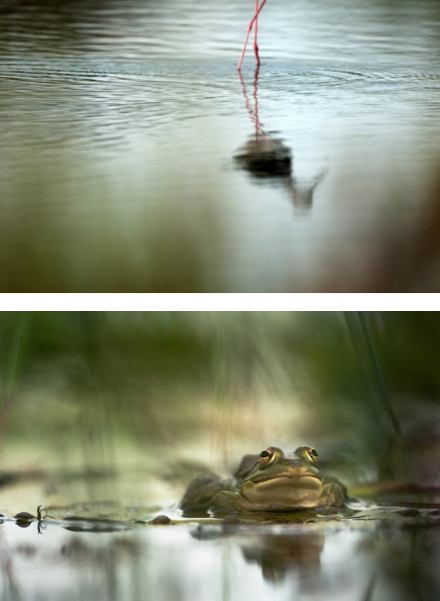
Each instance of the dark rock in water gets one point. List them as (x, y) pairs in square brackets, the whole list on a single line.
[(24, 519), (24, 516), (161, 520)]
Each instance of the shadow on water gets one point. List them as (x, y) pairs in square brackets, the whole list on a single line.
[(268, 159)]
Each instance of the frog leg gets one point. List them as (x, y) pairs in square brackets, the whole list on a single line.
[(332, 496), (227, 502), (202, 490)]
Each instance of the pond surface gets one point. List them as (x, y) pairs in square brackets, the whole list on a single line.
[(89, 545), (97, 559), (135, 158)]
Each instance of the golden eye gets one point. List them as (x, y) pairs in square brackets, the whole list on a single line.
[(313, 455), (266, 456)]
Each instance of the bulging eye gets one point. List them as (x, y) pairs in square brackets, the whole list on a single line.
[(313, 455), (266, 456)]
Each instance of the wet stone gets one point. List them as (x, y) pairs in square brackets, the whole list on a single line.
[(161, 520), (24, 516)]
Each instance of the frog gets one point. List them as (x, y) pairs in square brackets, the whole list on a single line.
[(269, 482)]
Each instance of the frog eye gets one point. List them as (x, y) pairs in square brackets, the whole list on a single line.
[(267, 456), (313, 455)]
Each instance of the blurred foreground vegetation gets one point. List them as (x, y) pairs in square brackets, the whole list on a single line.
[(171, 394)]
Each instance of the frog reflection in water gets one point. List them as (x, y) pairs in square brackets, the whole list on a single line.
[(269, 482)]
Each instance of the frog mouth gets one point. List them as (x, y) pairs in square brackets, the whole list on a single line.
[(283, 490), (287, 476)]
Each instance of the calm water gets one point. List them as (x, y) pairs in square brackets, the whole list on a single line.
[(101, 560), (121, 124)]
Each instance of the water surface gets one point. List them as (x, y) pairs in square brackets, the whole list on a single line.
[(120, 122), (77, 559)]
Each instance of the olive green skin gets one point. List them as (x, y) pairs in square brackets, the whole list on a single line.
[(274, 482)]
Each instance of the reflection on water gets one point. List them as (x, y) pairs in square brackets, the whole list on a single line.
[(279, 555), (170, 563), (268, 158), (119, 121), (379, 32)]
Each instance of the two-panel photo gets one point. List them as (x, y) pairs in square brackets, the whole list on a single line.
[(219, 266)]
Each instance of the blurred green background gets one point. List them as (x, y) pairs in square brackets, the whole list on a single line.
[(115, 406)]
